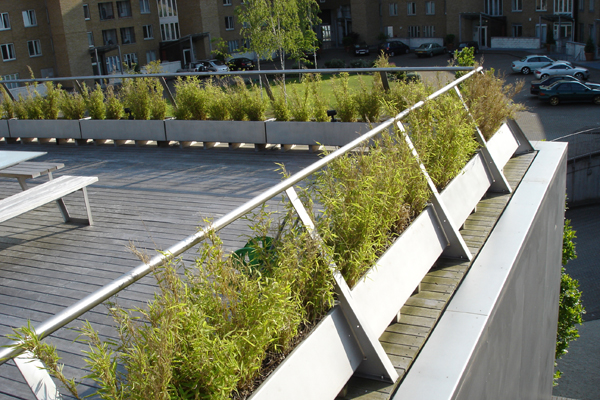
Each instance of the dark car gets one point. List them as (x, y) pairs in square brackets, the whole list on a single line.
[(463, 45), (361, 49), (240, 64), (563, 91), (535, 85), (393, 47)]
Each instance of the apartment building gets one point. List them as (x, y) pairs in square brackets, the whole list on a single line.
[(91, 37)]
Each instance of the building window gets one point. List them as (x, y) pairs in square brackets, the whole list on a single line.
[(430, 7), (86, 12), (127, 35), (106, 11), (429, 31), (563, 6), (541, 5), (169, 31), (393, 9), (144, 7), (228, 23), (10, 78), (414, 32), (34, 47), (148, 32), (226, 2), (233, 46), (326, 33), (150, 56), (130, 59), (90, 36), (493, 7), (4, 21), (517, 30), (563, 31), (8, 52), (591, 5), (517, 5), (167, 8), (109, 36), (124, 9), (29, 18), (412, 8), (113, 64)]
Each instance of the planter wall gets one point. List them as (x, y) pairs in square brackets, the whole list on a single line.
[(216, 131), (123, 129), (311, 133), (4, 133), (327, 358), (44, 128)]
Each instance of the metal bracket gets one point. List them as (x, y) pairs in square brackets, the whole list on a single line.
[(499, 182), (36, 376), (524, 144), (457, 248), (376, 363)]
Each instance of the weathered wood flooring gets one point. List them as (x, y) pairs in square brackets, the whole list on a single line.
[(152, 196), (403, 341)]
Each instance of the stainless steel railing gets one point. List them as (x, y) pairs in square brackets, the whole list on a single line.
[(74, 311)]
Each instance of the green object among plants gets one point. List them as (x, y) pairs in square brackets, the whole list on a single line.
[(589, 46)]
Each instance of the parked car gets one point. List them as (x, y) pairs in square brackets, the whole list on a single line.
[(195, 66), (464, 45), (430, 50), (361, 49), (240, 64), (533, 62), (535, 85), (393, 47), (563, 91), (214, 65), (562, 69)]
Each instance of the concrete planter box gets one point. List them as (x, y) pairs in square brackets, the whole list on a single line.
[(123, 129), (382, 292), (4, 133), (216, 131), (311, 133), (44, 128)]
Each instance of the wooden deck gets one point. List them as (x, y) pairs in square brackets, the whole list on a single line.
[(157, 197), (153, 196), (403, 341)]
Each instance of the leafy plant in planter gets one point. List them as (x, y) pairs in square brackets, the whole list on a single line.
[(114, 107), (589, 49), (144, 96), (72, 105), (192, 100), (345, 104), (95, 102)]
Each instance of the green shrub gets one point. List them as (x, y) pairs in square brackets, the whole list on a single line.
[(51, 103), (19, 108), (301, 102), (403, 94), (72, 105), (320, 106), (345, 105), (192, 99), (238, 94), (219, 104), (335, 63), (95, 103), (114, 107), (33, 103), (8, 105), (443, 134), (490, 100), (255, 105), (368, 100), (144, 96), (359, 64), (281, 110)]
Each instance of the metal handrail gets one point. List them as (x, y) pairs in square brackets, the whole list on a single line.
[(243, 73), (74, 311)]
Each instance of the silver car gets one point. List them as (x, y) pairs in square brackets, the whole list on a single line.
[(533, 62), (562, 69), (214, 65)]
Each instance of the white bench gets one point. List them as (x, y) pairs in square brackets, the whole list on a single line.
[(55, 189), (30, 170)]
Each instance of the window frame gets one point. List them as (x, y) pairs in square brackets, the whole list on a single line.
[(393, 9), (414, 31), (4, 21), (10, 50), (11, 77), (517, 30), (229, 23), (145, 7), (91, 42), (101, 7), (128, 13), (131, 31), (226, 3), (36, 46), (428, 31), (86, 12), (29, 18), (411, 8), (517, 5), (430, 8), (148, 32), (105, 37), (541, 5)]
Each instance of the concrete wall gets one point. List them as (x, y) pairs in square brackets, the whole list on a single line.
[(583, 185), (497, 338), (575, 49), (515, 43)]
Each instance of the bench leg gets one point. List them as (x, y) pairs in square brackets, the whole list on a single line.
[(23, 183), (65, 213), (87, 206), (63, 209)]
